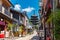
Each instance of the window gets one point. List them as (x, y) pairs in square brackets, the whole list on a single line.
[(5, 6), (16, 16), (58, 4)]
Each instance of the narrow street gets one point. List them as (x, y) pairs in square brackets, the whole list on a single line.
[(27, 37), (29, 19)]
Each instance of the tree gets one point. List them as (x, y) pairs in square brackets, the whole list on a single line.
[(10, 26), (56, 19), (55, 16), (57, 24)]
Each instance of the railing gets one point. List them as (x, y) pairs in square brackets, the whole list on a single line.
[(7, 13), (15, 19), (4, 11)]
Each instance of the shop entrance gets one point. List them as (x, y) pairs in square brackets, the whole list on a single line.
[(2, 28)]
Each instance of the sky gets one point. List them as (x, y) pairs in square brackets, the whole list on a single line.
[(30, 6)]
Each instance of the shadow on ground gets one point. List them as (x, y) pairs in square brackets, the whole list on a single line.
[(35, 38)]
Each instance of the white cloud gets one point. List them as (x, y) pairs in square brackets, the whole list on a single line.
[(29, 9), (17, 7)]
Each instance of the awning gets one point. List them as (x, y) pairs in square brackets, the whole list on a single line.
[(2, 23)]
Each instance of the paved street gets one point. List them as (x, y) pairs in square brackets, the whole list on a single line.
[(30, 37), (27, 37)]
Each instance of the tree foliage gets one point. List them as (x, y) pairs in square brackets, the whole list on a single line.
[(56, 18)]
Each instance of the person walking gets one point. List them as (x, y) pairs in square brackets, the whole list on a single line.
[(48, 37)]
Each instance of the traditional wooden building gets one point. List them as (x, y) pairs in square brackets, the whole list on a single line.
[(45, 17), (5, 15)]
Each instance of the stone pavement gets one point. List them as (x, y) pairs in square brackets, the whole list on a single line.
[(27, 37)]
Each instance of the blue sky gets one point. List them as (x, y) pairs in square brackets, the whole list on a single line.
[(27, 5)]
